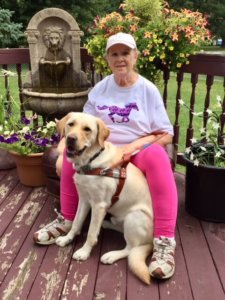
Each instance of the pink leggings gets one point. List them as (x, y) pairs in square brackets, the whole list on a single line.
[(154, 163)]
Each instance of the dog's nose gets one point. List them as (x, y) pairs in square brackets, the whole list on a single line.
[(70, 142)]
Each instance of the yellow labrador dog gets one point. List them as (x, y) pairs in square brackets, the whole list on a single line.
[(87, 149)]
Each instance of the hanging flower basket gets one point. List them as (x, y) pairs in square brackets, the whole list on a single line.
[(30, 169)]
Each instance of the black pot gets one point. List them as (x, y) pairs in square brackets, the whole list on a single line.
[(205, 192)]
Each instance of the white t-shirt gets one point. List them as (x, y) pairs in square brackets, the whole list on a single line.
[(129, 113)]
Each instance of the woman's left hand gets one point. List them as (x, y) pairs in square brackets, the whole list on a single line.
[(160, 138), (128, 149)]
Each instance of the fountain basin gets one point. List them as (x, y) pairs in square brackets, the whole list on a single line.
[(54, 105)]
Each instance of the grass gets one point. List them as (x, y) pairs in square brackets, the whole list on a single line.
[(214, 49), (12, 91), (217, 89)]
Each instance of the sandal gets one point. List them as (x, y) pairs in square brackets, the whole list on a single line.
[(50, 232), (162, 265)]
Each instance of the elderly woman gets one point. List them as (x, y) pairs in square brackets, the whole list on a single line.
[(133, 110)]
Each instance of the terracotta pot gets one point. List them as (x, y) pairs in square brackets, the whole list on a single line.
[(205, 190), (30, 169)]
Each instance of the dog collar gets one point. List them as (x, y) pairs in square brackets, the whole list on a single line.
[(87, 167), (96, 155)]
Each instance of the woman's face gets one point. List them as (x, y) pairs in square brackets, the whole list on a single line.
[(121, 59)]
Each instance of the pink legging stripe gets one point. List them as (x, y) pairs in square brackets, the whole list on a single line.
[(154, 163), (68, 192)]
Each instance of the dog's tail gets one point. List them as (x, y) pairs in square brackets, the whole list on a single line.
[(137, 262)]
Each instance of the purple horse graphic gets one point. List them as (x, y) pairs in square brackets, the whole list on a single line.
[(122, 112)]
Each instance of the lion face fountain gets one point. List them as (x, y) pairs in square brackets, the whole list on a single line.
[(56, 85)]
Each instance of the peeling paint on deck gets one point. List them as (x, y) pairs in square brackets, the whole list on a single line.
[(52, 280), (99, 296), (171, 285), (8, 252), (119, 276), (17, 283), (14, 200), (80, 281), (52, 274), (4, 189), (63, 254), (4, 240), (31, 208), (37, 193)]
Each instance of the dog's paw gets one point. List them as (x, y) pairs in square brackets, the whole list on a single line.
[(81, 254), (62, 241), (108, 258)]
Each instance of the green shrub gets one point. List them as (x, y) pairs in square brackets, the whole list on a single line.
[(10, 32)]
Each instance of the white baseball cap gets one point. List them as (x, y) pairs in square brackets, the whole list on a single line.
[(121, 38)]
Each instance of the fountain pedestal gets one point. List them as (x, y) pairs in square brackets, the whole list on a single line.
[(56, 84), (53, 105)]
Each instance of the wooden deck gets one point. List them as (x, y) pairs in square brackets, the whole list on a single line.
[(29, 271)]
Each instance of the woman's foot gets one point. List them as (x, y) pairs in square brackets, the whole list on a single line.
[(50, 232), (162, 265)]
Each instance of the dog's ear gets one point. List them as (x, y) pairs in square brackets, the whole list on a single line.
[(103, 132), (60, 125)]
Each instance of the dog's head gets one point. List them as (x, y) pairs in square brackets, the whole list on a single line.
[(82, 131)]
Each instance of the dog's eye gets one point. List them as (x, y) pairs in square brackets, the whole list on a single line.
[(87, 129), (70, 124)]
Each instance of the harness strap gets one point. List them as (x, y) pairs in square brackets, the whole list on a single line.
[(123, 173), (119, 188), (119, 173)]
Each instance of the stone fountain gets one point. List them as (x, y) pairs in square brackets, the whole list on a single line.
[(55, 85)]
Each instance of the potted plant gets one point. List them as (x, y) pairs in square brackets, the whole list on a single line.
[(164, 37), (27, 143), (205, 166)]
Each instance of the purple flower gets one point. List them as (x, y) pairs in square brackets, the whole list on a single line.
[(33, 132), (54, 139), (2, 139), (42, 142), (25, 121), (28, 137), (12, 139)]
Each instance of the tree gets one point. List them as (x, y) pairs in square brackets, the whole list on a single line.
[(83, 11), (214, 9), (10, 32)]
